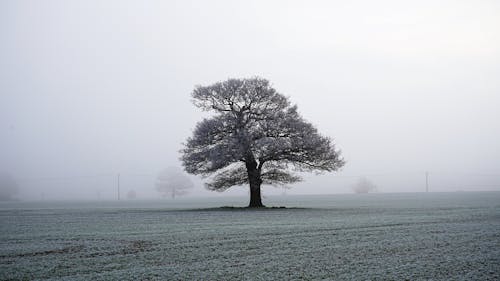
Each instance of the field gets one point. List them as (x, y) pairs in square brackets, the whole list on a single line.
[(425, 236)]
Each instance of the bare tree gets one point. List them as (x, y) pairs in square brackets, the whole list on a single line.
[(172, 181), (8, 187), (131, 194), (364, 186), (255, 137)]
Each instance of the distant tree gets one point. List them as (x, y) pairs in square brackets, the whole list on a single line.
[(173, 182), (255, 137), (8, 187), (131, 194), (364, 186)]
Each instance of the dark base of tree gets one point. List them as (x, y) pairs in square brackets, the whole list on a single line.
[(256, 206), (252, 208)]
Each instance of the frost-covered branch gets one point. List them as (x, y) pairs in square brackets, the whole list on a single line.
[(256, 136)]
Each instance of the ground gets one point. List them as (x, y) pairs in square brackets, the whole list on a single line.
[(445, 236)]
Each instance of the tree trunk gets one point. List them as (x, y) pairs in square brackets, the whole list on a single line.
[(255, 182), (255, 198)]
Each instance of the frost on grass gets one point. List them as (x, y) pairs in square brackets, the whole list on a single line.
[(397, 239)]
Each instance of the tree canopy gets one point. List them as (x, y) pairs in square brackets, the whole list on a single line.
[(363, 185), (256, 136), (172, 181), (8, 187)]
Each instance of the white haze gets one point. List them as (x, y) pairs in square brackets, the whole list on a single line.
[(89, 89)]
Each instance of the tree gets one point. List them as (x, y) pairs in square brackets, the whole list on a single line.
[(8, 187), (255, 137), (364, 186), (173, 182), (131, 194)]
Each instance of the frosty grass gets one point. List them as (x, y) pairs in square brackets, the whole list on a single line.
[(438, 236)]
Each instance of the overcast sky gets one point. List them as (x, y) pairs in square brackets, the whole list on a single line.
[(89, 89)]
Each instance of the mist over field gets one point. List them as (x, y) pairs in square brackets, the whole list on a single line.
[(92, 89), (144, 140)]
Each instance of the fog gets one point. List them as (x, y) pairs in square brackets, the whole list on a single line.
[(90, 89)]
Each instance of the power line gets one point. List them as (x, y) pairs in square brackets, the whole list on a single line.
[(118, 182), (63, 178), (426, 181)]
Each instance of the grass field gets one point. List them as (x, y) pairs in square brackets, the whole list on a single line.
[(434, 236)]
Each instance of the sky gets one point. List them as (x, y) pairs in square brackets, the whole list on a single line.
[(90, 89)]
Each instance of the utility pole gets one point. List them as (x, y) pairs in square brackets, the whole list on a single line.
[(118, 182), (426, 181)]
